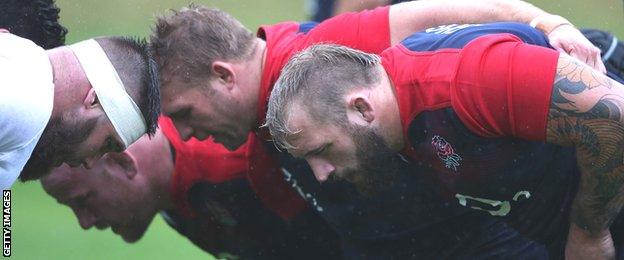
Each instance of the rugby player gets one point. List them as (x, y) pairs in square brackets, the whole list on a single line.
[(72, 103), (516, 130), (201, 189), (230, 58), (216, 82)]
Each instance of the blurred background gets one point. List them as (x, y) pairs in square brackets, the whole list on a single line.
[(42, 229)]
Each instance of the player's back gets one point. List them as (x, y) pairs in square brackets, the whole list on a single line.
[(528, 184)]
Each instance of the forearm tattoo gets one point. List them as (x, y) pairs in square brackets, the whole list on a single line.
[(586, 111)]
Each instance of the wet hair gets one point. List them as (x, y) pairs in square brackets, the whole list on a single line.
[(133, 61), (318, 78), (36, 20), (188, 41)]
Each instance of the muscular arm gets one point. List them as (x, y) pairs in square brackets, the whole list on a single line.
[(409, 17), (587, 112), (344, 6)]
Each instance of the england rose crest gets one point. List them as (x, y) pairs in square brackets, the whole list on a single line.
[(446, 152)]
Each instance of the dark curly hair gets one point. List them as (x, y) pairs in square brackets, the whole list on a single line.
[(36, 20)]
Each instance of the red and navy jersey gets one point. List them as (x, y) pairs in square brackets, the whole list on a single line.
[(410, 211), (222, 209), (368, 31), (474, 101), (416, 213)]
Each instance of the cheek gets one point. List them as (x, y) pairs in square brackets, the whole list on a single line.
[(96, 137), (111, 208), (345, 153), (226, 109), (83, 149), (92, 144), (201, 111), (126, 197)]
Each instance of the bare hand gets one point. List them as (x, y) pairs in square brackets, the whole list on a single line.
[(568, 39), (580, 245)]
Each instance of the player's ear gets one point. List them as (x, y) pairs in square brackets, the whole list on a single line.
[(122, 162), (224, 72), (91, 100), (360, 110)]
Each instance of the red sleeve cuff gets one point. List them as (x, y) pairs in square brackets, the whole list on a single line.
[(503, 87)]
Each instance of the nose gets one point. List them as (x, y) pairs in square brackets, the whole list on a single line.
[(85, 218), (321, 168)]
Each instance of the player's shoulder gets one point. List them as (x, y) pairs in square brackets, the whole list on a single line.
[(459, 35)]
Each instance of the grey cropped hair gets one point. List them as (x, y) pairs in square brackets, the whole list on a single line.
[(318, 77)]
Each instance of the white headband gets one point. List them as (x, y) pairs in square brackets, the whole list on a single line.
[(121, 110)]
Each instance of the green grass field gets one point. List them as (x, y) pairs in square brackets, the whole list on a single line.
[(44, 230)]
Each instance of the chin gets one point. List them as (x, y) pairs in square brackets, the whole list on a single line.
[(131, 238), (232, 145), (129, 234)]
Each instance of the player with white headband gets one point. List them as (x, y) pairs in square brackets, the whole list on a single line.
[(72, 104)]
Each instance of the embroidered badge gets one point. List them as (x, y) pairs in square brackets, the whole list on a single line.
[(446, 152)]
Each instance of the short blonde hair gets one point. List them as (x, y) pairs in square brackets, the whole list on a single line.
[(318, 77), (194, 37)]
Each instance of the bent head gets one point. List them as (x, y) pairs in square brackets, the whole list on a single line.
[(325, 108), (122, 190), (202, 55), (87, 122)]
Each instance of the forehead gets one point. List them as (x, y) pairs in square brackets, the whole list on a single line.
[(299, 119), (177, 91), (308, 133)]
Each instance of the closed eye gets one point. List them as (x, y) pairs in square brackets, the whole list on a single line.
[(317, 151), (322, 149)]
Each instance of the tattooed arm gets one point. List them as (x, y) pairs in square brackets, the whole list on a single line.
[(587, 111)]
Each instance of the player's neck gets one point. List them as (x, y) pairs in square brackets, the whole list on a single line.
[(256, 67), (162, 165), (389, 114)]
